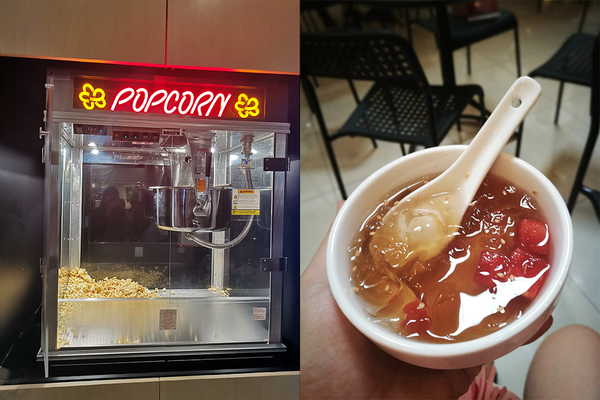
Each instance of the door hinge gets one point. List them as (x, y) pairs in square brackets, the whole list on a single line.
[(273, 264), (44, 133), (276, 164), (41, 135)]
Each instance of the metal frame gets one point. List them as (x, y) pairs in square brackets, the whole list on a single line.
[(52, 227)]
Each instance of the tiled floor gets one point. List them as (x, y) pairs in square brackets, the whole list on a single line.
[(553, 149)]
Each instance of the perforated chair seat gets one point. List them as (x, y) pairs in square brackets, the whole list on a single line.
[(399, 114), (571, 63)]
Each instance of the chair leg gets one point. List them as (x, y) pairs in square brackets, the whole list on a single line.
[(482, 109), (309, 98), (519, 135), (560, 90), (469, 60), (336, 169), (408, 27), (353, 90), (403, 149), (586, 4), (582, 169), (594, 197), (312, 98), (357, 99), (517, 53)]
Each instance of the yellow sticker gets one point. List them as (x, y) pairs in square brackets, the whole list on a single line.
[(245, 212), (245, 202), (201, 185)]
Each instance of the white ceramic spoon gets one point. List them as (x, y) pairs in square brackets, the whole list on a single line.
[(424, 222)]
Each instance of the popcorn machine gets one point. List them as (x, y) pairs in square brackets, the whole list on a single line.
[(163, 219)]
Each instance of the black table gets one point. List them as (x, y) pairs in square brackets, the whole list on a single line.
[(443, 26)]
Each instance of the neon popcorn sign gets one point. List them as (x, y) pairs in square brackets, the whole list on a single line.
[(169, 98)]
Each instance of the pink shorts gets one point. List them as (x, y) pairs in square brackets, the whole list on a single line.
[(484, 388)]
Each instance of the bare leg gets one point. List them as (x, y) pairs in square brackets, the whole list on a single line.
[(566, 366)]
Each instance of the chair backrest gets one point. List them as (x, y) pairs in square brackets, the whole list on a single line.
[(595, 89), (374, 56)]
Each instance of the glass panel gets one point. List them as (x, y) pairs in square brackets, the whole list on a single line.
[(65, 198), (129, 272), (245, 272)]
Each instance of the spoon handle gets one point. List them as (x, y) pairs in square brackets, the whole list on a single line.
[(494, 134)]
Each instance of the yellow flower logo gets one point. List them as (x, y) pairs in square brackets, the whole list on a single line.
[(247, 106), (91, 97)]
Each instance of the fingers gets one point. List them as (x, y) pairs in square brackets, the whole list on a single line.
[(542, 330), (318, 261), (339, 205)]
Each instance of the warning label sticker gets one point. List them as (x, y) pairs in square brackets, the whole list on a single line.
[(168, 319), (245, 202), (259, 313)]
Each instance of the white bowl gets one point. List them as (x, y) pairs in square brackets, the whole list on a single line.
[(409, 169)]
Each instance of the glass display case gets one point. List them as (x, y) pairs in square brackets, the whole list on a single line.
[(163, 207)]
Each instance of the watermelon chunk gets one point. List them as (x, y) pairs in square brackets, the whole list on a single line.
[(526, 265), (416, 320), (533, 236), (492, 268)]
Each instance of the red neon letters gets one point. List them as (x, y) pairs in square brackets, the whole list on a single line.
[(193, 99), (184, 103)]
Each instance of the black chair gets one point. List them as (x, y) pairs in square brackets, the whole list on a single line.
[(314, 15), (578, 186), (572, 63), (400, 107), (465, 32)]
